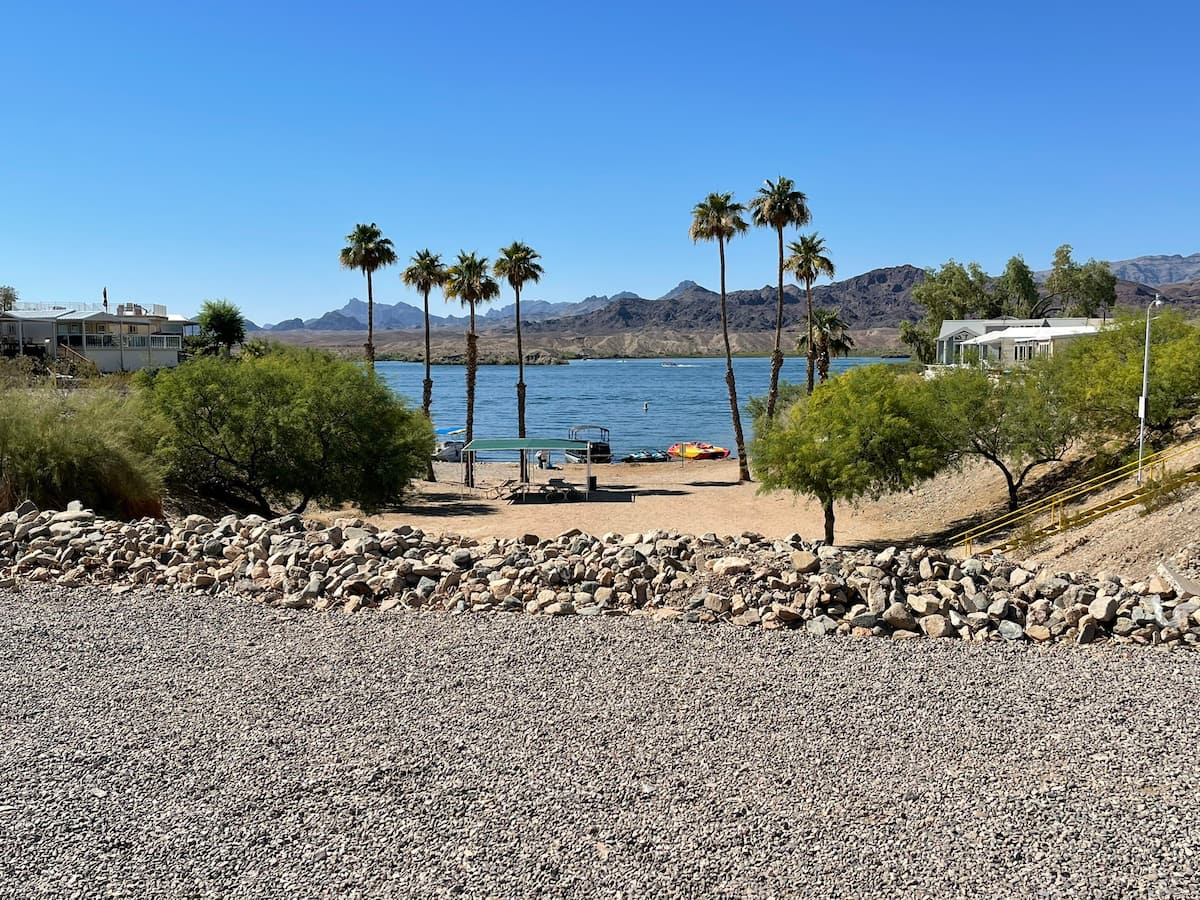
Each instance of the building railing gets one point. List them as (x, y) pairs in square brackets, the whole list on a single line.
[(121, 341)]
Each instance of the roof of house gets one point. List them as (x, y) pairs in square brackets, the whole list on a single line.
[(1032, 333), (33, 314), (951, 327)]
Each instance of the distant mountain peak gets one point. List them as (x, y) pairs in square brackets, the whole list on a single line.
[(685, 287)]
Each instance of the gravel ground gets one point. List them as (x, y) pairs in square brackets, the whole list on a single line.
[(170, 745)]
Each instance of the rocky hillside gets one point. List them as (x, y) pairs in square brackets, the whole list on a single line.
[(879, 298), (1157, 271)]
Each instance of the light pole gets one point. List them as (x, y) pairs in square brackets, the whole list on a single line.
[(1142, 400)]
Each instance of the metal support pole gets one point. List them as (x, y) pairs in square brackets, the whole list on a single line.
[(1143, 400)]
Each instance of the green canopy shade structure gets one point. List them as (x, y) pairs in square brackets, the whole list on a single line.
[(522, 445), (530, 443)]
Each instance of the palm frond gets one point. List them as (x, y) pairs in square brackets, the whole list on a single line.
[(778, 205), (518, 264), (425, 271), (717, 217)]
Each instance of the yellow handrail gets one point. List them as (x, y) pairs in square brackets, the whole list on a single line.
[(1055, 503)]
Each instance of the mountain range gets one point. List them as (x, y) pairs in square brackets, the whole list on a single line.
[(880, 298)]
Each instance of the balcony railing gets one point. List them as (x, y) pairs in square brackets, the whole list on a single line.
[(121, 341)]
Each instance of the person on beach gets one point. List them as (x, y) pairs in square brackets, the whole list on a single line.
[(543, 459)]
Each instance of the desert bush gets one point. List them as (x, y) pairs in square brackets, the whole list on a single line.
[(94, 445), (285, 428)]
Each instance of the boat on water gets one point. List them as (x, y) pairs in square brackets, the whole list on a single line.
[(646, 456), (696, 450), (599, 448), (670, 364)]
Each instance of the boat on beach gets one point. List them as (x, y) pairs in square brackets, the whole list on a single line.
[(450, 444), (646, 456), (599, 448), (696, 450)]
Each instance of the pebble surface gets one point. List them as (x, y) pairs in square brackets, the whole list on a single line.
[(158, 744)]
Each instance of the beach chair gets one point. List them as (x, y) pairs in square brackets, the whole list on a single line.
[(495, 490)]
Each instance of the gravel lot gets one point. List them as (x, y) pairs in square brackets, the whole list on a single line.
[(170, 745)]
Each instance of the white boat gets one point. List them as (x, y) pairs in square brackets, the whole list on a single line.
[(449, 444)]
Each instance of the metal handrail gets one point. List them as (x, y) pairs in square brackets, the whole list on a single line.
[(1056, 502)]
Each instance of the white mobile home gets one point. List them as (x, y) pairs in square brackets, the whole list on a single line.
[(129, 339)]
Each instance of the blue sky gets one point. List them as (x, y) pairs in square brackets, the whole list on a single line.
[(176, 152)]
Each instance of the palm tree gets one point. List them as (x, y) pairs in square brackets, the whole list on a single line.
[(778, 205), (718, 218), (425, 272), (831, 337), (518, 263), (221, 322), (808, 262), (368, 251), (468, 282)]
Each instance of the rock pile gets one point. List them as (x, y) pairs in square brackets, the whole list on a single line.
[(747, 580)]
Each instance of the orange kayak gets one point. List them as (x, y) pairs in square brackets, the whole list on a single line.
[(696, 450)]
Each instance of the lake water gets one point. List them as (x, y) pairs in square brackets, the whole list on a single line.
[(688, 402)]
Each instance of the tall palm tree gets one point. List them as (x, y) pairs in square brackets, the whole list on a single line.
[(778, 205), (831, 337), (718, 218), (468, 282), (368, 251), (808, 262), (425, 272), (518, 263)]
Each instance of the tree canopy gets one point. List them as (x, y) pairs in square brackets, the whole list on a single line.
[(1016, 422), (8, 297), (1086, 289), (287, 427), (1102, 374), (222, 324), (863, 434)]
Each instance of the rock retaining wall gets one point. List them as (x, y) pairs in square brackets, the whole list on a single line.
[(746, 581)]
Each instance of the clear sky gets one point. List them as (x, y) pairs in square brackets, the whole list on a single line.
[(176, 152)]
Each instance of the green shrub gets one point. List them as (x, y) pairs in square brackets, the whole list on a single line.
[(288, 427), (94, 445)]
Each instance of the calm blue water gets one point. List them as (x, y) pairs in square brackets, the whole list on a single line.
[(688, 402)]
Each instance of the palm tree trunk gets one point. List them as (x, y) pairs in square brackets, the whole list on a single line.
[(521, 387), (808, 349), (827, 506), (472, 363), (427, 388), (370, 323), (777, 353), (823, 359), (743, 463)]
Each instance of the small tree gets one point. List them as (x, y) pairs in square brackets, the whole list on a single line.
[(286, 428), (1080, 289), (222, 324), (1018, 291), (1016, 422), (8, 297), (954, 291), (863, 434), (1103, 374)]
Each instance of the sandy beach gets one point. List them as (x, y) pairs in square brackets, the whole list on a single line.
[(694, 497)]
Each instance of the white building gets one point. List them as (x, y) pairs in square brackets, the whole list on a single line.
[(1019, 344), (959, 333), (129, 339)]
